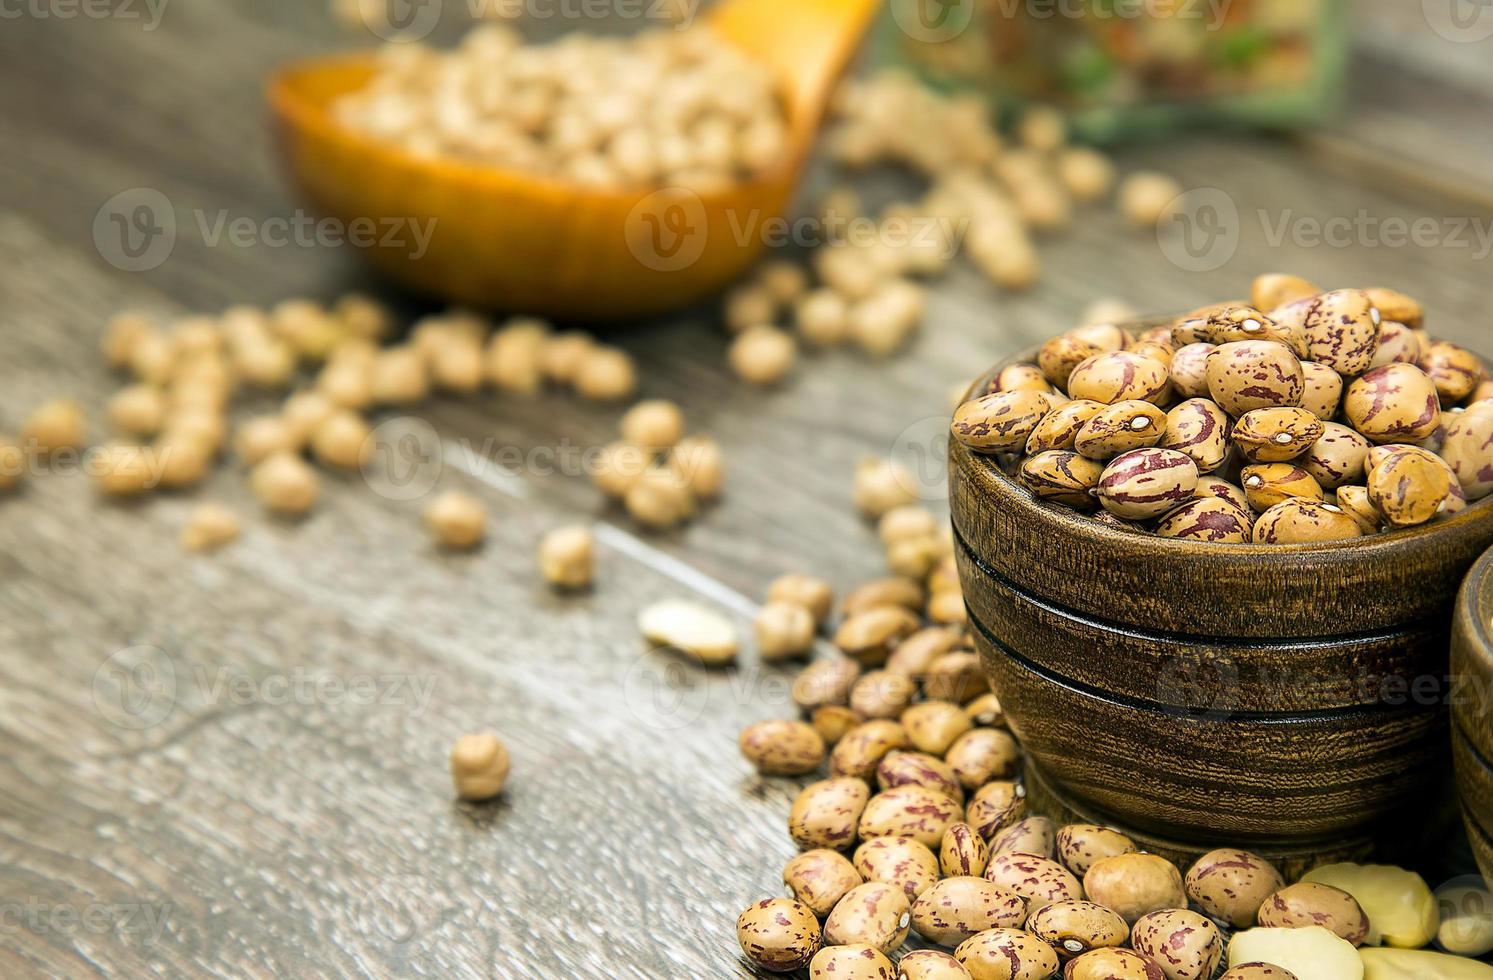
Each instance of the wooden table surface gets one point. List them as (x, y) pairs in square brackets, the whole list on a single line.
[(271, 797)]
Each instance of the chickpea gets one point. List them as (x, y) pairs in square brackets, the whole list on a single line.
[(618, 466), (566, 557), (399, 376), (1147, 198), (606, 374), (139, 410), (749, 306), (56, 426), (697, 461), (659, 499), (513, 357), (882, 485), (342, 440), (762, 355), (823, 318), (304, 413), (655, 425), (813, 594), (561, 356), (261, 437), (1088, 176), (285, 484), (479, 766)]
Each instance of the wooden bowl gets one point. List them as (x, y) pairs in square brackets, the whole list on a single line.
[(536, 244), (1285, 698), (1472, 708)]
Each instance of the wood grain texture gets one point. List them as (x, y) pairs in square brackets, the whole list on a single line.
[(320, 838), (1472, 707)]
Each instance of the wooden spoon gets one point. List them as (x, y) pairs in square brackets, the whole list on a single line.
[(536, 244)]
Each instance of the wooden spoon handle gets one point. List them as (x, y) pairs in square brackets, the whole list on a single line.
[(807, 43)]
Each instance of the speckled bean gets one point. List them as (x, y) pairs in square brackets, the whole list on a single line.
[(1393, 403), (1342, 328), (1119, 376), (930, 964), (1062, 476), (1311, 903), (1322, 389), (1059, 356), (1186, 945), (882, 694), (1210, 519), (1251, 374), (1229, 884), (825, 682), (981, 755), (898, 861), (1336, 458), (857, 961), (1007, 954), (1120, 428), (1236, 323), (1079, 845), (1135, 885), (1453, 369), (1074, 928), (1395, 305), (778, 934), (1355, 502), (963, 852), (1019, 377), (820, 878), (959, 907), (1274, 289), (993, 806), (1408, 488), (1190, 370), (869, 637), (1212, 486), (914, 654), (1199, 429), (1274, 435), (1039, 880), (1268, 484), (874, 913), (1113, 964), (827, 813), (1397, 344), (986, 711), (1029, 835), (782, 748), (1301, 521), (956, 676), (918, 769), (1468, 450), (864, 746), (1258, 971), (1146, 483), (1059, 426), (999, 423), (910, 811)]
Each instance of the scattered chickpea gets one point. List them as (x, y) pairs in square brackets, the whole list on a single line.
[(784, 281), (659, 499), (139, 410), (749, 306), (823, 318), (261, 437), (618, 466), (342, 440), (121, 334), (211, 526), (479, 766), (125, 471), (1146, 197), (1087, 174), (304, 412), (399, 376), (566, 557), (56, 426), (515, 355), (882, 485), (655, 425), (698, 463), (457, 521), (763, 355), (561, 357), (606, 374), (285, 484)]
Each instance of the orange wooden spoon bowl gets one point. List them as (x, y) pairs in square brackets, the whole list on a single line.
[(531, 243)]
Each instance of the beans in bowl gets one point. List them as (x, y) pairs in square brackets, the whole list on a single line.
[(1302, 415)]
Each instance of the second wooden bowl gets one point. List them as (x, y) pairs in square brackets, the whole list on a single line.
[(1285, 698), (1472, 708)]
